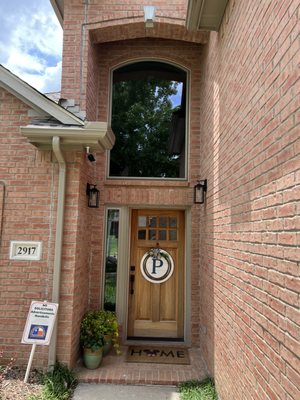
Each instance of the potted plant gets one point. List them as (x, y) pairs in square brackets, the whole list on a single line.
[(109, 328), (91, 339)]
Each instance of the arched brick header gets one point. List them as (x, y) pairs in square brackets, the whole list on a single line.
[(114, 54), (79, 78), (110, 31)]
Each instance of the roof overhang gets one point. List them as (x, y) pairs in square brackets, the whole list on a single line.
[(58, 7), (201, 14), (205, 14), (98, 136), (74, 133), (36, 100)]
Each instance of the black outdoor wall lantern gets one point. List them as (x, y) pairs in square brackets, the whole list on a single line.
[(199, 191), (93, 195)]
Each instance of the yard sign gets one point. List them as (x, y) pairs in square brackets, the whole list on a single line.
[(38, 328), (40, 322)]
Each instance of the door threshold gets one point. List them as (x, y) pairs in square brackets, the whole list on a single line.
[(149, 341), (154, 339)]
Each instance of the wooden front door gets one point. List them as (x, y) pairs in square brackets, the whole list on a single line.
[(156, 276)]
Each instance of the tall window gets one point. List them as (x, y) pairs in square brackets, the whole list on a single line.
[(111, 259), (149, 120)]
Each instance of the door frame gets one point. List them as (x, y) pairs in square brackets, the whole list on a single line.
[(122, 291)]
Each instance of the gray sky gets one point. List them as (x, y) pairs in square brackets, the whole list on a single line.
[(31, 42)]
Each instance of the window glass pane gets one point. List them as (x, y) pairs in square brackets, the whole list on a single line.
[(149, 121), (152, 234), (142, 222), (142, 234), (111, 260), (162, 235), (152, 222), (163, 222), (173, 235), (173, 222)]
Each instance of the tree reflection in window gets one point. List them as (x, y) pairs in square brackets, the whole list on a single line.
[(148, 119)]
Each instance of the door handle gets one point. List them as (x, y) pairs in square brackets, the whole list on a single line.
[(131, 282)]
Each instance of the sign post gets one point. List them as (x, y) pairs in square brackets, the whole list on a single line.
[(38, 328), (29, 362)]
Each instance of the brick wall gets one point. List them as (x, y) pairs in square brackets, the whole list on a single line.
[(76, 255), (250, 255), (27, 214), (28, 182), (86, 25)]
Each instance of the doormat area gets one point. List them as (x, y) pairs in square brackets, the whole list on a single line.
[(157, 354)]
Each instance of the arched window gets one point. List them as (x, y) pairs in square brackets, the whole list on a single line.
[(149, 121)]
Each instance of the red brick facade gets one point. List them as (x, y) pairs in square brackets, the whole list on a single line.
[(249, 151), (243, 137)]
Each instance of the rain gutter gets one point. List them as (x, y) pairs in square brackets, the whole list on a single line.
[(58, 239), (2, 203), (96, 135)]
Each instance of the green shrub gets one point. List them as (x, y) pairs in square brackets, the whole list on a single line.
[(91, 335), (97, 324), (198, 390), (58, 384)]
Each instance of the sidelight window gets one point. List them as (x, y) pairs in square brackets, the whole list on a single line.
[(111, 259)]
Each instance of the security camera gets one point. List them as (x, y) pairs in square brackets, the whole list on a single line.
[(90, 156)]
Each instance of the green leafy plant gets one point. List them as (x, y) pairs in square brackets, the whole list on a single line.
[(91, 334), (58, 384), (97, 324), (110, 327), (198, 390)]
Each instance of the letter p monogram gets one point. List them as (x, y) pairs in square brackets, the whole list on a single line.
[(157, 263)]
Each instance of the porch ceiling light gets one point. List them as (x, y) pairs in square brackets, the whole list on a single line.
[(93, 195), (199, 191), (149, 16)]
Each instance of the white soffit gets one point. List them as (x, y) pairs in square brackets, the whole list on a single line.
[(205, 14)]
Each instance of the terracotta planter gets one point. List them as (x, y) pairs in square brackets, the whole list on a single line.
[(92, 359)]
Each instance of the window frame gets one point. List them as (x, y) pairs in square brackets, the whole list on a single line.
[(187, 122)]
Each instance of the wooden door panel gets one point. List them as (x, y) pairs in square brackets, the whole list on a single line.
[(166, 329), (156, 307), (168, 308)]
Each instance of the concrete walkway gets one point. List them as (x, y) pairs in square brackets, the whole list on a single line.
[(101, 391)]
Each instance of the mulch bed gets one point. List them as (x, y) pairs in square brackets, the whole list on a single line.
[(12, 386)]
